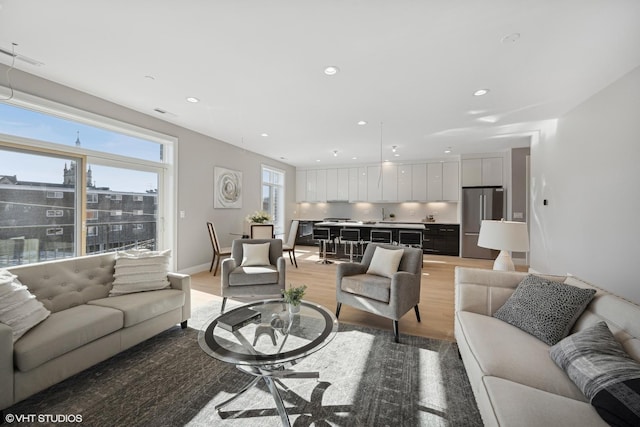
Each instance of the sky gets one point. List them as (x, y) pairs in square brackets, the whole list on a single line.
[(29, 124)]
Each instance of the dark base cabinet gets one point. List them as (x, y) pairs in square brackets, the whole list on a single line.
[(441, 239)]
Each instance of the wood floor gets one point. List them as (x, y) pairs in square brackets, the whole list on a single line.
[(436, 296)]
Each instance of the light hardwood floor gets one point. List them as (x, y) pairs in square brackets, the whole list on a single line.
[(436, 296)]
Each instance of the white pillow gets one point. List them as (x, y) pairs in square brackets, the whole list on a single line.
[(19, 308), (385, 262), (140, 270), (255, 254)]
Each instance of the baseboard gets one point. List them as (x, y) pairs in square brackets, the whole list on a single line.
[(195, 269)]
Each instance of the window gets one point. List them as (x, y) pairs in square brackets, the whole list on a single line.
[(53, 154), (273, 196)]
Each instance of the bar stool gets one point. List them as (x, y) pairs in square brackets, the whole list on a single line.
[(324, 236), (411, 239), (381, 236), (351, 236)]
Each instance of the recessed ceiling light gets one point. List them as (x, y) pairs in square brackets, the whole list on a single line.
[(192, 99), (264, 134), (331, 70), (335, 153), (396, 155), (318, 160), (481, 92), (150, 77), (362, 122), (354, 158), (447, 151), (393, 148), (511, 38)]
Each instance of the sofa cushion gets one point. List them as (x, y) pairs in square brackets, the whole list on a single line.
[(63, 332), (141, 306), (19, 308), (262, 275), (140, 270), (504, 351), (385, 262), (544, 308), (368, 285), (598, 364), (515, 404)]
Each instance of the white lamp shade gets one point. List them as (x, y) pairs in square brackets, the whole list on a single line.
[(504, 235)]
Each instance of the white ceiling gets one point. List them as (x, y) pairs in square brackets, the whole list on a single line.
[(407, 67)]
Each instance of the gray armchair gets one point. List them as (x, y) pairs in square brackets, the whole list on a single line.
[(249, 281), (387, 297)]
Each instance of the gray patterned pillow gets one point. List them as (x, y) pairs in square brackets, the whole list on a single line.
[(544, 308), (605, 373)]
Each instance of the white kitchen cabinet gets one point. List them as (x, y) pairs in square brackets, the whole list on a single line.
[(363, 184), (419, 182), (482, 172), (343, 185), (450, 181), (471, 172), (312, 180), (434, 182), (332, 184), (374, 184), (301, 186), (321, 186), (405, 183), (390, 182), (353, 184), (492, 171)]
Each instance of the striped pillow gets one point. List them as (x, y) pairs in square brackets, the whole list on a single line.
[(606, 374), (139, 271), (19, 308)]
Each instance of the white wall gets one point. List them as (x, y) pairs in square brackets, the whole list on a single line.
[(588, 168), (197, 155)]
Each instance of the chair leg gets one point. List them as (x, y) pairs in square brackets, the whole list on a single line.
[(295, 261), (417, 312), (224, 302), (183, 324), (215, 271), (395, 331), (212, 260), (338, 309)]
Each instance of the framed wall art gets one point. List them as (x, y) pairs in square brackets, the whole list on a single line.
[(227, 192)]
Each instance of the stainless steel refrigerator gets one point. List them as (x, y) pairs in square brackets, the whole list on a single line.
[(479, 203)]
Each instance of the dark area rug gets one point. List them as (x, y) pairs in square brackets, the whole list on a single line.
[(366, 379)]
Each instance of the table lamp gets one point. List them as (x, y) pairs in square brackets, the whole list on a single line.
[(504, 236)]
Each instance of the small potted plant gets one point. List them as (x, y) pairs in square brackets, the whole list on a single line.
[(258, 217), (293, 297), (392, 216)]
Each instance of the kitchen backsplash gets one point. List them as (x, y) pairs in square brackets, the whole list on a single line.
[(408, 211)]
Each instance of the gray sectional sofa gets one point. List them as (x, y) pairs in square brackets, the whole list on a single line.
[(86, 326), (514, 379)]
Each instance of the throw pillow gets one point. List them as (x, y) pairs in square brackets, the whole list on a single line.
[(385, 262), (255, 254), (139, 271), (19, 308), (544, 308), (596, 362)]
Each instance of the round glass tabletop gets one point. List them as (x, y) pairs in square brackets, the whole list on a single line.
[(272, 336)]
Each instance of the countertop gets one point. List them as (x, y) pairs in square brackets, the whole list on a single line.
[(402, 225), (379, 223)]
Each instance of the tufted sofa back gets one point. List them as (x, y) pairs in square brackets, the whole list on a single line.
[(62, 284)]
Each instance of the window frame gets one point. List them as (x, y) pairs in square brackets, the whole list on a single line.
[(166, 168), (279, 229)]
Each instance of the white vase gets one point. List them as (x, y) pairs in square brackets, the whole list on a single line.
[(293, 309)]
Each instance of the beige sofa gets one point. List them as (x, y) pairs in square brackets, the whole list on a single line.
[(86, 326), (514, 380)]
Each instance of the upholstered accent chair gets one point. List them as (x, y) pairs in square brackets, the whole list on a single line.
[(246, 275), (390, 295)]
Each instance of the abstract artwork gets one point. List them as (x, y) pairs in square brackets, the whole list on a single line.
[(227, 191)]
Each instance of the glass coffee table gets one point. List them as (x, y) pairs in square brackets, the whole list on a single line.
[(268, 347)]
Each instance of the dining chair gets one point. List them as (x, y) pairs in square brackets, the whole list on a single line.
[(290, 244), (218, 252), (262, 231)]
